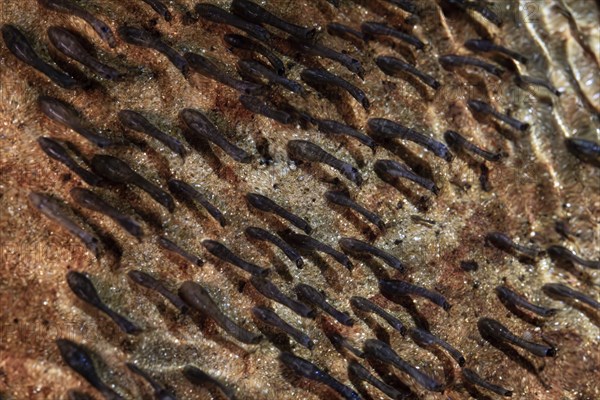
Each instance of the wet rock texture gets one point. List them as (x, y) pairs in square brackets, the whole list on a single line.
[(536, 187)]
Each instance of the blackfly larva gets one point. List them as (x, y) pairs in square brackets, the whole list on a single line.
[(201, 378), (426, 338), (523, 80), (254, 13), (560, 291), (143, 38), (68, 44), (479, 106), (385, 129), (344, 31), (263, 203), (456, 140), (65, 114), (90, 200), (450, 60), (51, 209), (368, 306), (174, 248), (55, 150), (316, 298), (303, 150), (189, 193), (198, 298), (472, 377), (307, 243), (586, 150), (562, 253), (269, 317), (493, 330), (363, 374), (337, 128), (372, 29), (308, 370), (135, 121), (392, 288), (213, 13), (262, 234), (160, 392), (484, 46), (160, 8), (376, 349), (116, 170), (79, 360), (259, 106), (271, 291), (83, 288), (340, 342), (251, 69), (19, 46), (342, 198), (503, 242), (246, 43), (319, 50), (148, 281), (392, 66), (517, 300), (220, 251), (319, 78), (71, 8), (355, 246), (199, 124), (389, 170)]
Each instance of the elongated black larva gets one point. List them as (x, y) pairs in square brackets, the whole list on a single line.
[(392, 65), (51, 209), (255, 69), (269, 317), (342, 198), (368, 306), (259, 106), (472, 377), (213, 13), (263, 203), (79, 359), (484, 108), (191, 194), (55, 150), (379, 350), (505, 243), (160, 392), (246, 43), (318, 78), (116, 170), (531, 80), (143, 38), (254, 13), (71, 8), (450, 60), (308, 370), (355, 246), (220, 251), (92, 201), (83, 288), (456, 140), (479, 7), (198, 298), (316, 298), (385, 129), (338, 128), (561, 291), (494, 330), (344, 59), (135, 121), (303, 150), (307, 243), (586, 150), (174, 248), (363, 374), (271, 291), (199, 124), (407, 5), (562, 253), (148, 281), (392, 287), (344, 31), (371, 29), (262, 234), (517, 300), (160, 8), (425, 338), (340, 342), (201, 378), (484, 45), (389, 170)]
